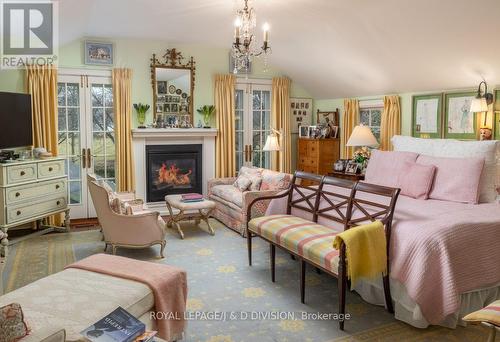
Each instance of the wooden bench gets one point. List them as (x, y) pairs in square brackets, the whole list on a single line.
[(316, 213)]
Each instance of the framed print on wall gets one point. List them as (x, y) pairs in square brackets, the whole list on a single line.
[(460, 122), (98, 53), (427, 118), (301, 110)]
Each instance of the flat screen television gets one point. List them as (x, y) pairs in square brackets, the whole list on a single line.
[(15, 120)]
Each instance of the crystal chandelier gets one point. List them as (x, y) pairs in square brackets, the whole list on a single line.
[(244, 45)]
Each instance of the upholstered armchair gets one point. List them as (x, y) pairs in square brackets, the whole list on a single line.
[(231, 204), (119, 199), (139, 230), (3, 256)]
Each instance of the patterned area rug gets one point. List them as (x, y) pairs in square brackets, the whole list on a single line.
[(220, 281)]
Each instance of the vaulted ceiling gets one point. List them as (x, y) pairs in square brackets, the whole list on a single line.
[(333, 48)]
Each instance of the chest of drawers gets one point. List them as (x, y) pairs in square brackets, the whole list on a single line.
[(31, 190)]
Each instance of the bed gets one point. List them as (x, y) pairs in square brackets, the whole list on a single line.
[(444, 255)]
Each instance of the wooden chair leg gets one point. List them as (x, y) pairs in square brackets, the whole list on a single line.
[(302, 281), (272, 250), (387, 294), (249, 246), (342, 281)]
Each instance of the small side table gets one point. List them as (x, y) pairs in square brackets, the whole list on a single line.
[(349, 176), (188, 211)]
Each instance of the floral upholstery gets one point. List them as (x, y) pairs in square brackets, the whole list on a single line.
[(231, 203), (307, 239), (12, 324)]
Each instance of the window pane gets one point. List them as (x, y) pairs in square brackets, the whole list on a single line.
[(239, 160), (110, 120), (110, 144), (256, 159), (266, 100), (73, 144), (98, 119), (108, 96), (110, 166), (364, 117), (97, 96), (239, 120), (266, 158), (62, 144), (239, 141), (61, 120), (74, 167), (256, 141), (376, 132), (98, 143), (376, 117), (99, 167), (73, 119), (266, 119), (73, 94), (256, 100), (239, 99), (61, 94), (256, 119), (75, 192)]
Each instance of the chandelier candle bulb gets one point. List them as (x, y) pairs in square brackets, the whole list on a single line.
[(265, 27)]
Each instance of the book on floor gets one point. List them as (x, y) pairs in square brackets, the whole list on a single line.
[(118, 326)]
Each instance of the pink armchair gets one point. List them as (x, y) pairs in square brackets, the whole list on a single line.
[(140, 230)]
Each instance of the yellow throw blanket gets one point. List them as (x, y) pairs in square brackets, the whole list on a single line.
[(365, 251)]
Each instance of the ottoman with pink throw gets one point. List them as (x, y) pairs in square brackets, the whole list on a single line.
[(58, 307)]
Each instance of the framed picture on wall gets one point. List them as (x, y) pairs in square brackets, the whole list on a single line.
[(460, 122), (98, 53), (427, 116), (301, 111)]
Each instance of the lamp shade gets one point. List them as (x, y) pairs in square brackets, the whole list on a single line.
[(272, 143), (362, 136), (479, 105)]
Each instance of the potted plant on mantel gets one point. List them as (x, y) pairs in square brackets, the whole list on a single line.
[(207, 112), (141, 110)]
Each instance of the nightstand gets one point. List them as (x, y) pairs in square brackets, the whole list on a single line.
[(350, 176)]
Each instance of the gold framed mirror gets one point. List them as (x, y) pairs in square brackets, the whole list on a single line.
[(173, 89)]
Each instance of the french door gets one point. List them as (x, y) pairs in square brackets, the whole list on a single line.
[(86, 136), (253, 123)]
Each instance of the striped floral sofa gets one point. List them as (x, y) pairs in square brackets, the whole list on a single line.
[(231, 203), (314, 215)]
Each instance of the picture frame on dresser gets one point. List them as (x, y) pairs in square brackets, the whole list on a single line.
[(427, 116), (460, 122)]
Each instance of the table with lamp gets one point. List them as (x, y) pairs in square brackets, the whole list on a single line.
[(361, 137)]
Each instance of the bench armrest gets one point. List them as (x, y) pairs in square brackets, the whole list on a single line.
[(249, 204)]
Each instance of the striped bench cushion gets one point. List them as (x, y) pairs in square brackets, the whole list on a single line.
[(307, 239), (490, 314)]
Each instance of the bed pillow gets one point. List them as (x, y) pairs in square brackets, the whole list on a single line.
[(450, 148), (456, 180), (384, 168), (416, 180)]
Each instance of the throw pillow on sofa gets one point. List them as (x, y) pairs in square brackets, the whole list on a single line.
[(272, 180), (254, 174), (242, 183), (12, 324), (385, 167), (416, 180), (456, 180)]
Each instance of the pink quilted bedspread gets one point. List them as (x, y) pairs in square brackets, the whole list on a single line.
[(440, 250)]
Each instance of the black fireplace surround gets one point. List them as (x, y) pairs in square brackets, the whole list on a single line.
[(172, 169)]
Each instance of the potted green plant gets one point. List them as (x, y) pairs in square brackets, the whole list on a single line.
[(207, 112), (141, 110)]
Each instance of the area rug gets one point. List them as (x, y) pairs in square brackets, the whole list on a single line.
[(230, 301)]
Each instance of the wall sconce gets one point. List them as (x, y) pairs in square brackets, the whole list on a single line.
[(480, 105)]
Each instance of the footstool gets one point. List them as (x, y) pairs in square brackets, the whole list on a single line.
[(188, 211)]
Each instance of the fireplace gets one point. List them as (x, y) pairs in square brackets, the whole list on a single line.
[(172, 169)]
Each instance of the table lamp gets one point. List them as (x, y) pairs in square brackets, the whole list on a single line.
[(363, 137), (272, 141)]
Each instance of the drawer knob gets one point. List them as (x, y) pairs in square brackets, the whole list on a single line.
[(50, 169), (23, 173), (58, 202), (18, 194), (57, 186), (18, 212)]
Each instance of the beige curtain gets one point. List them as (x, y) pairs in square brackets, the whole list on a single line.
[(350, 119), (225, 145), (122, 89), (280, 120), (391, 122), (41, 83)]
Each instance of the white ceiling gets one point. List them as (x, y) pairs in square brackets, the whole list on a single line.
[(333, 48)]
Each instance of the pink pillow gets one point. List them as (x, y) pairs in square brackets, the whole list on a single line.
[(416, 180), (384, 167), (457, 179)]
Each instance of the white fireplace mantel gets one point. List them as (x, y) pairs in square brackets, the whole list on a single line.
[(172, 136)]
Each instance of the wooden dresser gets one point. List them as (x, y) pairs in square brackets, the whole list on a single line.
[(31, 190), (317, 155)]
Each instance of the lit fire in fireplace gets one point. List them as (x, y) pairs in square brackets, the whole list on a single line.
[(172, 176)]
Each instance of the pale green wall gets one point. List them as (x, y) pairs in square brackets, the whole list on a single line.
[(136, 54)]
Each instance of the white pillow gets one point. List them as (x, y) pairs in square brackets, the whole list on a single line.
[(490, 150), (242, 183)]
